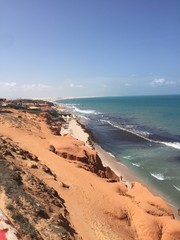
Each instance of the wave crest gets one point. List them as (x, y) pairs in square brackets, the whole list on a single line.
[(177, 188), (158, 176), (172, 144), (84, 111), (136, 164)]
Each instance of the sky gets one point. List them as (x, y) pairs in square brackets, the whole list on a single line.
[(77, 48)]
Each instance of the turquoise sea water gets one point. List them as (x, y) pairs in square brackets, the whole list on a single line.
[(142, 132)]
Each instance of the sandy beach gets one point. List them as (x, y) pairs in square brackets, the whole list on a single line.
[(99, 206)]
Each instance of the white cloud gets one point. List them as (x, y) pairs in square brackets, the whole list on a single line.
[(158, 82), (7, 84), (72, 85), (43, 86), (171, 82), (28, 87), (162, 82), (128, 84)]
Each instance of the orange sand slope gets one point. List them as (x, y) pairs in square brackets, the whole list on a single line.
[(99, 209)]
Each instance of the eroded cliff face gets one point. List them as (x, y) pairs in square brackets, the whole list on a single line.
[(36, 210), (74, 149)]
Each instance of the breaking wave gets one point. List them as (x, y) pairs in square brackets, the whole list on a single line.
[(136, 164), (158, 176), (110, 154), (142, 134), (127, 157), (177, 188), (84, 111), (172, 144)]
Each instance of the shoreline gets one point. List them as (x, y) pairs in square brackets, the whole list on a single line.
[(127, 176)]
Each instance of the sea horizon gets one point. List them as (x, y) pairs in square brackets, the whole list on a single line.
[(54, 99)]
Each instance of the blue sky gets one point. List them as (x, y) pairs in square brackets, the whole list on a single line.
[(61, 48)]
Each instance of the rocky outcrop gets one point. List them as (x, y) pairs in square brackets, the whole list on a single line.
[(54, 121), (75, 149), (35, 209)]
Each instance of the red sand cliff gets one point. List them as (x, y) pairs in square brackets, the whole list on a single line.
[(97, 209)]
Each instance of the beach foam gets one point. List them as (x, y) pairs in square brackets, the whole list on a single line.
[(158, 176), (136, 164), (172, 144), (111, 154), (127, 157), (177, 188), (84, 111)]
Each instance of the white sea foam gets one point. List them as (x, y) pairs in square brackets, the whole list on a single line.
[(111, 154), (129, 126), (177, 188), (172, 144), (71, 104), (158, 176), (84, 111), (127, 157), (141, 133), (106, 121), (136, 164)]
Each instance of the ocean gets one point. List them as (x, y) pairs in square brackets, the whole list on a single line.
[(141, 132)]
